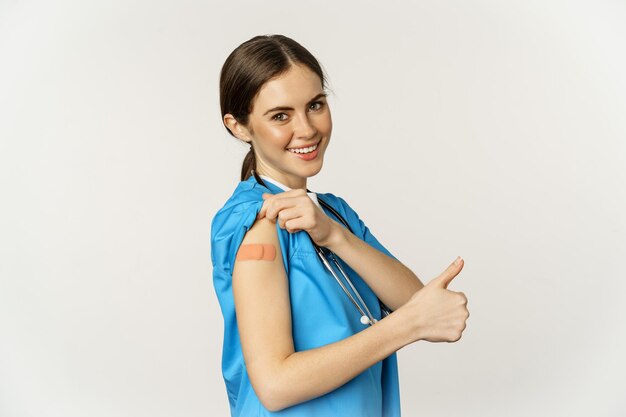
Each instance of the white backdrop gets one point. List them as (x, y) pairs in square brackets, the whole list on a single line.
[(494, 130)]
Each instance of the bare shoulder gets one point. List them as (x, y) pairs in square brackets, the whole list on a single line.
[(262, 229), (262, 305), (260, 248)]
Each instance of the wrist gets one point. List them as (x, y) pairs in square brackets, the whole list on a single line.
[(407, 330), (402, 333), (338, 236)]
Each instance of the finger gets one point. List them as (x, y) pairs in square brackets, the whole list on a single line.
[(463, 297), (295, 224), (267, 198), (287, 215), (276, 205), (262, 211), (264, 208), (449, 274)]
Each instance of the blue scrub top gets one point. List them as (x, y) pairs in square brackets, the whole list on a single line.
[(321, 312)]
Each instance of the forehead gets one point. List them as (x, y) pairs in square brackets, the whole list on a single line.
[(296, 86)]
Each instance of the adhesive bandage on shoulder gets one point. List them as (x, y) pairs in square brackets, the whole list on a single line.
[(256, 252)]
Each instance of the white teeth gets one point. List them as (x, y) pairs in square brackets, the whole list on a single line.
[(304, 150)]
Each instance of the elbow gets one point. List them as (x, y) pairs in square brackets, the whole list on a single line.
[(275, 384), (272, 397), (270, 406), (271, 390)]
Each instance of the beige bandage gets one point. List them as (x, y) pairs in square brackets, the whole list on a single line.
[(256, 252)]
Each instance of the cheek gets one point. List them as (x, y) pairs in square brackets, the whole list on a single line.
[(277, 135), (325, 124)]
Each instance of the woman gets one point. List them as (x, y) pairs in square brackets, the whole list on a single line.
[(297, 343)]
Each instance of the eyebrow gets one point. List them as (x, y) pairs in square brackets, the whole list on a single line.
[(320, 95)]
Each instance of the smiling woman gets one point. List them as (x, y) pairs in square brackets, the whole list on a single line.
[(294, 344), (289, 117)]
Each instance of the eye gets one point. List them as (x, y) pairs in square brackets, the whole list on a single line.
[(280, 117), (316, 105)]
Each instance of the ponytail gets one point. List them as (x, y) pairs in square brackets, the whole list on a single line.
[(249, 164)]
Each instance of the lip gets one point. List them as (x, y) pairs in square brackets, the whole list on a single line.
[(307, 156), (307, 146)]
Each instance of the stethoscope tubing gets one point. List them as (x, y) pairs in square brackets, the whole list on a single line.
[(366, 316), (369, 314)]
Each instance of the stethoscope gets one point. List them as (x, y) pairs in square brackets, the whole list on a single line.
[(324, 253)]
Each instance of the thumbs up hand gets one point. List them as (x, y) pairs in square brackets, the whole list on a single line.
[(435, 313)]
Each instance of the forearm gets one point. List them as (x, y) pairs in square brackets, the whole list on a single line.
[(390, 280), (311, 373)]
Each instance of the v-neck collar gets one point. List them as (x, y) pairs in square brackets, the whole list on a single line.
[(278, 187)]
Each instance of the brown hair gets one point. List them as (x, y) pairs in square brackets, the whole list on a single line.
[(248, 67)]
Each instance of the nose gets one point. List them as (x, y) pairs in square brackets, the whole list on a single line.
[(303, 128)]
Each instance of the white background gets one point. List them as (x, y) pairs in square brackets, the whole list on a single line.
[(494, 130)]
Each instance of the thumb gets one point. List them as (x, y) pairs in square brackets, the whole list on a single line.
[(263, 208), (448, 275)]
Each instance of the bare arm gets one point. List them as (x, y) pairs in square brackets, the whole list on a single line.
[(280, 376), (390, 280)]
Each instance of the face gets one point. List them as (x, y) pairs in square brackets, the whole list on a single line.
[(289, 112)]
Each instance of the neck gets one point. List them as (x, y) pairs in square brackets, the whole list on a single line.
[(289, 181)]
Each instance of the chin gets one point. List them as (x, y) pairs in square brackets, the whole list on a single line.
[(314, 172)]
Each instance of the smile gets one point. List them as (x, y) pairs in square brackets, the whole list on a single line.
[(304, 150)]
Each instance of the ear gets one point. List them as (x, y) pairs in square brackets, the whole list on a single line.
[(237, 129)]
